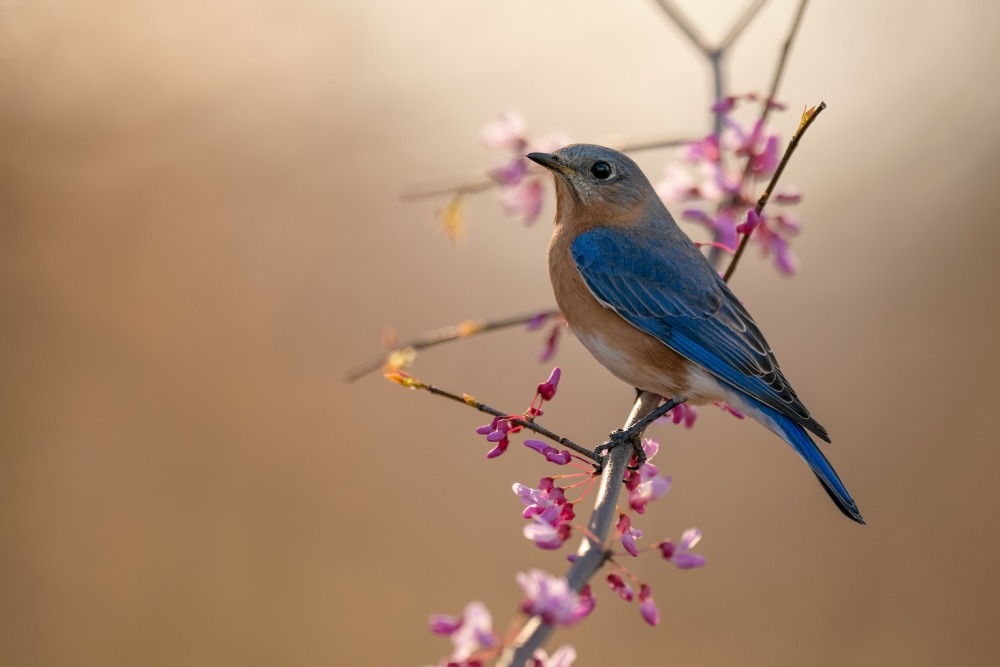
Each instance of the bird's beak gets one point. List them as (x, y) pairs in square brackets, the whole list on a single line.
[(550, 162)]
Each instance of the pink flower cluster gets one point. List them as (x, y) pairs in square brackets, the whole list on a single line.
[(474, 641), (551, 515), (498, 431), (725, 196), (472, 636), (680, 555), (521, 182), (553, 600), (644, 486)]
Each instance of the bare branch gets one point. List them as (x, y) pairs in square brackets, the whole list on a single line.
[(807, 120), (412, 383), (779, 71), (741, 24), (685, 26), (473, 184), (452, 332), (481, 182)]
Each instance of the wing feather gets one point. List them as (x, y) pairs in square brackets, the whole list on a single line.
[(668, 290)]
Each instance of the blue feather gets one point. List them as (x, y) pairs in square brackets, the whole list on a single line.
[(670, 291), (797, 437)]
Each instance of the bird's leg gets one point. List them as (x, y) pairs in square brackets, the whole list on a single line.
[(632, 435)]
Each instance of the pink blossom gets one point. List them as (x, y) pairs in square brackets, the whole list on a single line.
[(628, 534), (551, 515), (537, 321), (788, 197), (562, 657), (724, 192), (751, 223), (677, 185), (774, 243), (552, 599), (551, 454), (646, 484), (723, 223), (651, 486), (523, 200), (549, 350), (647, 606), (511, 173), (497, 431), (547, 389), (725, 407), (703, 150), (680, 555), (522, 185), (619, 586), (469, 634), (545, 535), (505, 133), (682, 414)]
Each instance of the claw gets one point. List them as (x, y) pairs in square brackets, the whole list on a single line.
[(618, 438)]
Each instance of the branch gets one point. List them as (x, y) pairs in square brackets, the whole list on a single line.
[(714, 256), (807, 119), (591, 554), (482, 182), (464, 329), (782, 60), (741, 24), (477, 183), (685, 26), (465, 399)]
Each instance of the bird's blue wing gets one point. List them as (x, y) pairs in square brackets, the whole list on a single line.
[(668, 290)]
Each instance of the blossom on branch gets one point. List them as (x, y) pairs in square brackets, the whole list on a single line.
[(521, 183), (562, 657), (470, 633), (549, 512), (723, 197), (680, 555), (646, 484), (552, 599)]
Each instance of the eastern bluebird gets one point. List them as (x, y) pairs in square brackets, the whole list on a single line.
[(649, 306)]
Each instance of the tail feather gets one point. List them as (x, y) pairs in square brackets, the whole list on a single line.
[(797, 437)]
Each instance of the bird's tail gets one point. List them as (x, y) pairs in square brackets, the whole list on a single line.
[(797, 437)]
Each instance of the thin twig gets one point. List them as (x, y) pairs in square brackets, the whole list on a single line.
[(807, 120), (779, 71), (591, 554), (449, 333), (741, 24), (685, 26), (465, 399), (482, 182), (477, 183)]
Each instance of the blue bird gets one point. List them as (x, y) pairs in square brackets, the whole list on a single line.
[(648, 305)]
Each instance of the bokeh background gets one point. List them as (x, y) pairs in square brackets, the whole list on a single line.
[(200, 234)]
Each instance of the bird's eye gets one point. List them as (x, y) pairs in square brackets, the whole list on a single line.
[(601, 170)]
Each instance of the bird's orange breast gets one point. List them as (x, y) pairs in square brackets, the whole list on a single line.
[(630, 354)]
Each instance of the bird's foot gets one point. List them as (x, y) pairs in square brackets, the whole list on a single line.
[(630, 437)]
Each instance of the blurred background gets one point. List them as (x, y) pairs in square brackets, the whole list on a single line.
[(200, 234)]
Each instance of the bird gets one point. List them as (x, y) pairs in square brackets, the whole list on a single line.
[(650, 307)]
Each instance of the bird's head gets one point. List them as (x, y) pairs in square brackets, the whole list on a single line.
[(594, 179)]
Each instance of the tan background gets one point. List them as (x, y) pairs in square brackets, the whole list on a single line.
[(199, 235)]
